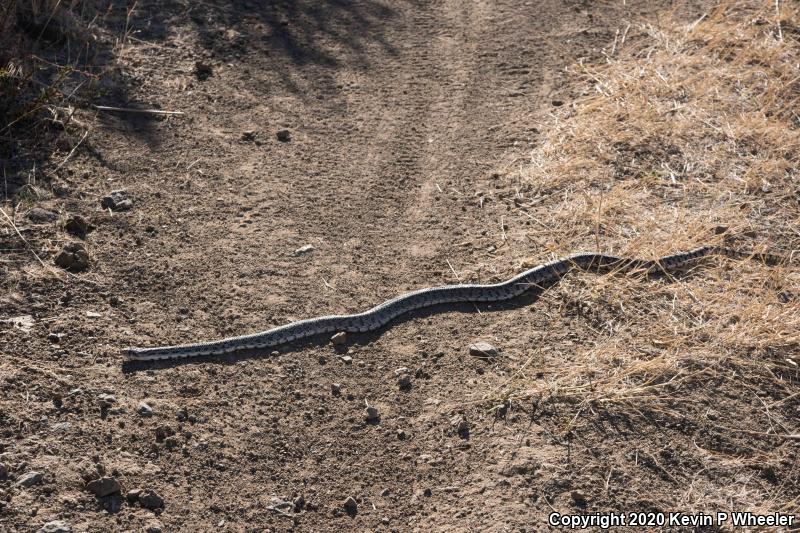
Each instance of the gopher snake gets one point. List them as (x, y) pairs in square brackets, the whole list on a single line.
[(385, 312)]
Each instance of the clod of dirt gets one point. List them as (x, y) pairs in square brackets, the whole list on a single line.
[(371, 414), (30, 479), (106, 400), (162, 432), (103, 486), (118, 200), (336, 389), (401, 435), (350, 506), (73, 257), (55, 338), (339, 339), (579, 498), (299, 503), (483, 350), (3, 471), (37, 215), (248, 136), (403, 376), (203, 71), (56, 526), (133, 495), (283, 136), (150, 499), (154, 527), (144, 409), (557, 103), (78, 226), (461, 425)]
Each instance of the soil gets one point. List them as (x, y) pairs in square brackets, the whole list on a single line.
[(372, 132)]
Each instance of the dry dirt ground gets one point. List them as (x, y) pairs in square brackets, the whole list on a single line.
[(402, 118)]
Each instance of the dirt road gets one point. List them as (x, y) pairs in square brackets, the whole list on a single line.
[(402, 118)]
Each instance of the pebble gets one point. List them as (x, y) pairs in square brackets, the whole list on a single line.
[(249, 135), (78, 226), (350, 505), (149, 499), (162, 432), (38, 215), (103, 486), (144, 409), (283, 136), (336, 389), (30, 479), (118, 200), (56, 526), (3, 471), (202, 70), (73, 257), (154, 527), (483, 350), (54, 337), (304, 249), (459, 422), (403, 376), (133, 495), (346, 359), (299, 503), (371, 414), (106, 400), (339, 339), (401, 434), (385, 492)]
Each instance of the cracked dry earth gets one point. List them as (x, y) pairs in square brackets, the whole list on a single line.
[(399, 119)]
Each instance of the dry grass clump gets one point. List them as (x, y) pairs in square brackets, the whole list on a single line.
[(686, 134)]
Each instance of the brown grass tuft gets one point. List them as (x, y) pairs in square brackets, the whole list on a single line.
[(686, 135)]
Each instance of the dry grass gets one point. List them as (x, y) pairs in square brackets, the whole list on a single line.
[(686, 134)]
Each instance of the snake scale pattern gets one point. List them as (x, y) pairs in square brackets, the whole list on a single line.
[(381, 314)]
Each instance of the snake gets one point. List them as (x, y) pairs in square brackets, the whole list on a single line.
[(387, 311)]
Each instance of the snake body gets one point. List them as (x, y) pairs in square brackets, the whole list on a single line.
[(381, 314)]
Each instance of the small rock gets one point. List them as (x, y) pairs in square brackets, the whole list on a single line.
[(144, 409), (118, 200), (3, 471), (56, 526), (149, 499), (403, 376), (106, 400), (55, 338), (133, 495), (483, 350), (78, 226), (304, 249), (322, 359), (37, 215), (60, 426), (346, 359), (579, 498), (557, 103), (401, 434), (336, 389), (30, 479), (299, 503), (283, 136), (103, 486), (339, 339), (203, 71), (73, 257), (385, 492), (459, 422), (350, 505), (427, 492), (154, 527), (248, 135), (162, 432), (371, 414)]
